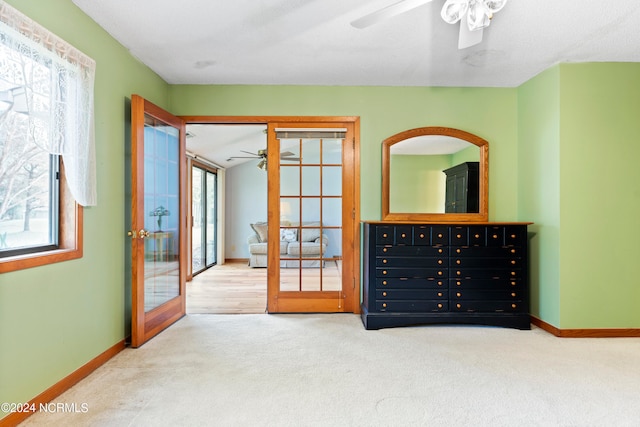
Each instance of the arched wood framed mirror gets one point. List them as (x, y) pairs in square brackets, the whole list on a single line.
[(435, 174)]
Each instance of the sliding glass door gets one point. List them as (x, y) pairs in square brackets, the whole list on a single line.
[(203, 209)]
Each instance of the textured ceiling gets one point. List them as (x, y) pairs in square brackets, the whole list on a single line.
[(311, 42)]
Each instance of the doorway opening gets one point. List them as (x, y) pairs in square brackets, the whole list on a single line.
[(245, 173)]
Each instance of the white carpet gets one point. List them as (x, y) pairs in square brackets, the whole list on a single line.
[(327, 370)]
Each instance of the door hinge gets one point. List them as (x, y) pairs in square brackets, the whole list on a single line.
[(353, 214)]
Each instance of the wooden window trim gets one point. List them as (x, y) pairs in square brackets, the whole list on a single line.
[(70, 236)]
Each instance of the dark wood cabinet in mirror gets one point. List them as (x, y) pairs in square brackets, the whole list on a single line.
[(417, 167)]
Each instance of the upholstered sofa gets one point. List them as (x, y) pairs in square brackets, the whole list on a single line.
[(296, 244)]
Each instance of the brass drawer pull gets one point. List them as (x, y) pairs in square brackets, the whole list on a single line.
[(439, 305), (458, 262), (440, 235), (439, 283), (458, 294), (422, 235), (513, 262), (384, 261), (384, 305), (384, 294), (404, 235), (514, 306), (440, 273), (458, 306), (385, 235), (458, 283), (440, 251), (440, 261), (384, 249), (458, 251), (459, 236), (384, 283), (477, 236), (513, 294), (439, 294), (384, 272)]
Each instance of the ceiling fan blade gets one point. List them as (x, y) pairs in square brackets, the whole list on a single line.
[(467, 37), (387, 12), (290, 159), (253, 154), (286, 154)]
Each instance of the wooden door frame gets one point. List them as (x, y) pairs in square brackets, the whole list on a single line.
[(355, 120)]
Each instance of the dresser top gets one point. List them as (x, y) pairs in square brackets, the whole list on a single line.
[(448, 223)]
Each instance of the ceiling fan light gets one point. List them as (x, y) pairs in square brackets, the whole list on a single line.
[(454, 10), (478, 17), (494, 5)]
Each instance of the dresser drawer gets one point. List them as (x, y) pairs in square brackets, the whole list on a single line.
[(485, 263), (439, 235), (411, 251), (488, 306), (484, 295), (481, 273), (459, 236), (412, 294), (421, 235), (410, 283), (385, 235), (437, 273), (486, 284), (487, 252), (412, 306), (412, 262)]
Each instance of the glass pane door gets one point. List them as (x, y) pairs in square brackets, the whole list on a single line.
[(311, 224), (162, 207), (203, 211)]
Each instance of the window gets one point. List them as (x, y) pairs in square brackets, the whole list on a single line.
[(47, 159)]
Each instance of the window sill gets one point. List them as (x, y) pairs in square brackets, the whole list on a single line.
[(70, 240)]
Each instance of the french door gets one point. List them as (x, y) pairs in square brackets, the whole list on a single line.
[(203, 213), (158, 219), (311, 218)]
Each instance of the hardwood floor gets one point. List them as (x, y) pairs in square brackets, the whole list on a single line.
[(227, 289), (235, 288)]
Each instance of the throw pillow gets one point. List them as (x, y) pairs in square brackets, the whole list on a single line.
[(288, 234), (261, 230)]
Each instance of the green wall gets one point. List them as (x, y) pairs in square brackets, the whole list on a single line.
[(384, 111), (411, 175), (600, 195), (539, 192), (56, 318), (579, 182)]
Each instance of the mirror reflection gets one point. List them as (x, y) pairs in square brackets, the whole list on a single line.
[(435, 173)]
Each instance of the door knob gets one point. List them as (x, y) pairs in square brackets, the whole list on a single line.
[(143, 233)]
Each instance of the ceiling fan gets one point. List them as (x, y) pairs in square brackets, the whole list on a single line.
[(262, 155), (476, 14)]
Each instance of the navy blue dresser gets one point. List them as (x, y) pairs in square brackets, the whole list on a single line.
[(445, 273)]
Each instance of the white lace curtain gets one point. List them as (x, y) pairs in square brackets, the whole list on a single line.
[(52, 83)]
